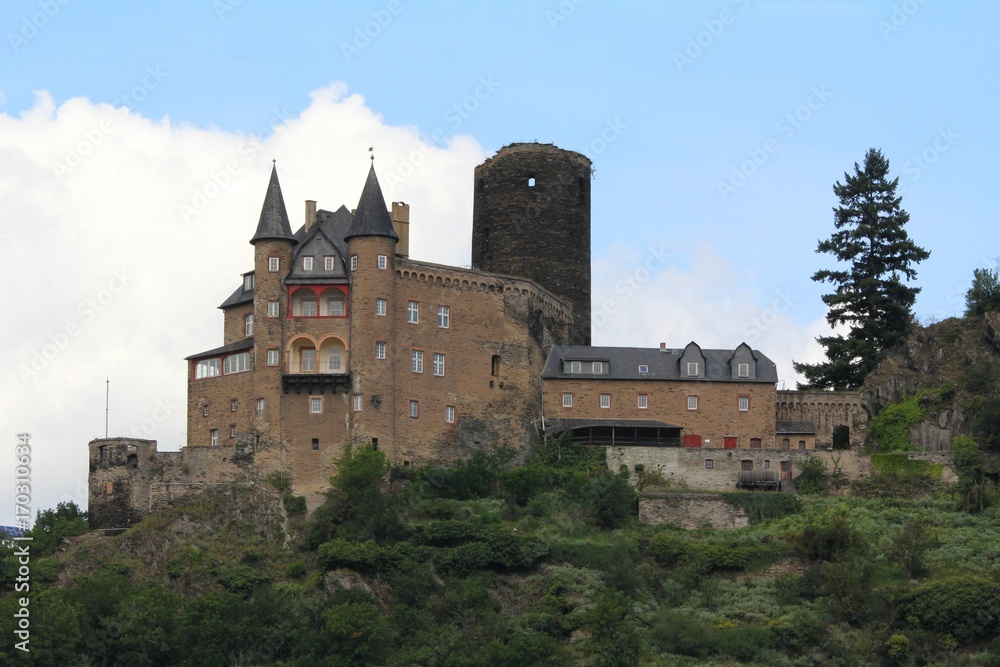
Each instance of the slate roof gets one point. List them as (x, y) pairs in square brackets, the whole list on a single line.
[(624, 362), (238, 346), (794, 427), (241, 295), (371, 218), (273, 223)]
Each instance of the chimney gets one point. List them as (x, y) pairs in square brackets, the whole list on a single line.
[(663, 347), (310, 214), (401, 225)]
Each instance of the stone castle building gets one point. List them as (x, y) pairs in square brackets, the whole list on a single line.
[(336, 335)]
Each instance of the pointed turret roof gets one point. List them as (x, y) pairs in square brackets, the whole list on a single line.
[(371, 218), (273, 222)]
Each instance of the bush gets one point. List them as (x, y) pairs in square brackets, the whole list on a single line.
[(829, 540), (891, 427), (761, 506), (294, 505), (671, 549), (910, 546), (964, 607), (280, 480), (986, 421), (51, 526), (241, 579), (813, 477)]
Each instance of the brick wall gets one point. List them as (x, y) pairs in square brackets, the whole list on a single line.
[(718, 415)]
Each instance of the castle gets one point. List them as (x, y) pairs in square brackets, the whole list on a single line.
[(337, 335)]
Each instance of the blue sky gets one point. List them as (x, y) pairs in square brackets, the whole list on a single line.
[(717, 130)]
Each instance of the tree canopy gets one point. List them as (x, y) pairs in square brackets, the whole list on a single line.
[(869, 295)]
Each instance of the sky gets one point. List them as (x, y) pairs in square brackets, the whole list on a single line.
[(136, 142)]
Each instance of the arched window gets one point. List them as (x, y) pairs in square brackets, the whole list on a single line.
[(207, 368)]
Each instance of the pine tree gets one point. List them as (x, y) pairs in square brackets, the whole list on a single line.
[(869, 294)]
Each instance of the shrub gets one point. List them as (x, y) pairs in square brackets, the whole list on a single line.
[(828, 540), (891, 427), (813, 477), (910, 546), (241, 579), (986, 421), (294, 505), (280, 480), (964, 607), (611, 499), (762, 506)]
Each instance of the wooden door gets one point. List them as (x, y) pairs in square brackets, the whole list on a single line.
[(729, 443), (786, 470), (747, 465), (692, 441)]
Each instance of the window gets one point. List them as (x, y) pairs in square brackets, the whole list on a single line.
[(576, 367), (232, 431), (380, 350), (784, 443), (315, 443), (802, 444), (767, 463), (605, 400), (643, 401), (272, 264), (444, 317), (233, 405), (380, 305), (358, 402), (208, 368), (272, 308), (238, 363), (754, 443), (495, 365), (412, 312), (414, 409), (316, 405), (248, 282), (328, 263), (204, 411), (417, 361), (335, 307), (709, 464), (354, 262), (744, 403), (308, 307), (449, 414), (272, 357), (308, 359), (260, 406), (597, 367), (438, 364), (214, 433), (248, 324), (531, 181), (643, 369), (743, 370), (334, 361), (383, 262), (307, 263), (567, 400), (692, 369), (692, 402)]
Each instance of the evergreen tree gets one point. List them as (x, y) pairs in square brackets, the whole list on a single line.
[(984, 295), (869, 295)]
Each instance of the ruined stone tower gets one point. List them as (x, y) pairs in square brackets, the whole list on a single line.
[(531, 218)]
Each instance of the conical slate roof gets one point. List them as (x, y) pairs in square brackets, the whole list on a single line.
[(371, 218), (273, 222)]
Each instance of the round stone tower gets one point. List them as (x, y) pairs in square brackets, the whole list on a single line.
[(531, 218)]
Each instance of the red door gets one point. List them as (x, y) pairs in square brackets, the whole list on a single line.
[(729, 443), (692, 441)]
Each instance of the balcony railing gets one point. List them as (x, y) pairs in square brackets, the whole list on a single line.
[(316, 383), (759, 479)]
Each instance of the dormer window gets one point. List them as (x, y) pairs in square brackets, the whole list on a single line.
[(328, 263), (643, 369), (248, 282), (597, 367), (692, 369), (576, 367), (743, 370), (307, 263)]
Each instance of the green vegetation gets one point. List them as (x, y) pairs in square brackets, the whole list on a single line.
[(492, 563), (984, 294), (868, 294), (891, 427)]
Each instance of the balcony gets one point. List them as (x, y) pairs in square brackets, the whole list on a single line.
[(315, 383)]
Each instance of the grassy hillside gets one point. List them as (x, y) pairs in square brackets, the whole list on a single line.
[(543, 564)]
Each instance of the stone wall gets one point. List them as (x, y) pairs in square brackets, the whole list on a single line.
[(691, 510), (718, 469), (826, 410), (130, 479)]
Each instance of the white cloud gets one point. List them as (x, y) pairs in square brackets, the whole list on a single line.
[(642, 296), (122, 234)]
